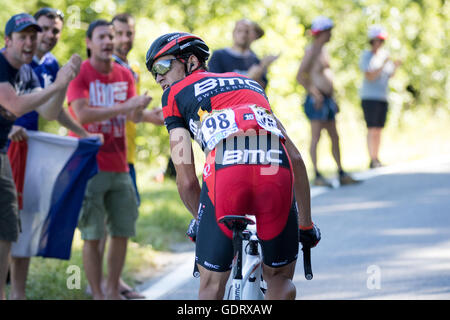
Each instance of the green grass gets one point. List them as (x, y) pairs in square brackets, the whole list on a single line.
[(163, 218), (162, 222)]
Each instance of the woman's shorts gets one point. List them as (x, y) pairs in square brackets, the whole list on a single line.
[(239, 181), (375, 112)]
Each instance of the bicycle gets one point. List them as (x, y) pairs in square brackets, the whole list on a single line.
[(247, 282)]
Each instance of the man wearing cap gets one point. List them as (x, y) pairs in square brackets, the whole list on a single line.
[(21, 93), (378, 68), (45, 66), (316, 77), (102, 97)]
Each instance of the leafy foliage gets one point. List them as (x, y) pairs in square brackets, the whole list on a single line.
[(418, 35)]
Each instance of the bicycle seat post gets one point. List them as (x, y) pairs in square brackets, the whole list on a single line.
[(237, 246), (237, 224)]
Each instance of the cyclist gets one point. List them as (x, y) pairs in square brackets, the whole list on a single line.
[(250, 164)]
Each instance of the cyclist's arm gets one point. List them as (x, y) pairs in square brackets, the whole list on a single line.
[(183, 160), (301, 182)]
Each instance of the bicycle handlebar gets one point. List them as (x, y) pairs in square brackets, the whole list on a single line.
[(196, 272), (307, 262)]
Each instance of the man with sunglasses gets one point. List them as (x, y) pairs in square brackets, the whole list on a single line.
[(249, 169), (21, 93), (45, 66), (102, 97)]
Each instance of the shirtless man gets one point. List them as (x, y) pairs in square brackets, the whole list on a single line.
[(316, 77)]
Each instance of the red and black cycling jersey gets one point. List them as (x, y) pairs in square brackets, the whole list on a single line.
[(187, 101), (249, 173)]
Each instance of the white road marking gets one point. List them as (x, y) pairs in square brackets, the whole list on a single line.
[(183, 273), (173, 279)]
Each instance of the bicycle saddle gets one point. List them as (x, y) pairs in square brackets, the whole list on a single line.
[(234, 222)]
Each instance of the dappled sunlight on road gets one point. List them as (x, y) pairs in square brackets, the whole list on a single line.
[(408, 232), (392, 230), (351, 206)]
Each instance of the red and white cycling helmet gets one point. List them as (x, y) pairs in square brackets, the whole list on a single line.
[(178, 44)]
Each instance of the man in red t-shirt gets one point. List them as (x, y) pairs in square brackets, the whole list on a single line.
[(101, 98)]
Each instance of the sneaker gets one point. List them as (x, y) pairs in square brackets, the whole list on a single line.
[(322, 182), (375, 164), (346, 179)]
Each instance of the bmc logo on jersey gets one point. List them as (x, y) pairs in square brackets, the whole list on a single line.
[(250, 157), (212, 83)]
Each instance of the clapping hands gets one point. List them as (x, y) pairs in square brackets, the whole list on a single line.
[(69, 71)]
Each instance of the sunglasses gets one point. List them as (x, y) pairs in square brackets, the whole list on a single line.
[(49, 12), (162, 67)]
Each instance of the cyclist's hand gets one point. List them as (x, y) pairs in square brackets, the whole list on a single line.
[(309, 237), (192, 230)]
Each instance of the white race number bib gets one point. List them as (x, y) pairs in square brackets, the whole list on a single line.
[(216, 126), (266, 120)]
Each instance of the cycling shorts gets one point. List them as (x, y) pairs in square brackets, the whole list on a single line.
[(247, 175)]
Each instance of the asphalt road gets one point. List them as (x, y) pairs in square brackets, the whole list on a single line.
[(386, 238)]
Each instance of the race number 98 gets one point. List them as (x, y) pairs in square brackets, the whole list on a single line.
[(218, 126), (220, 121)]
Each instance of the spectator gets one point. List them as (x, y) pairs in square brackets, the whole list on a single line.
[(124, 26), (124, 29), (101, 97), (21, 93), (45, 65), (315, 76), (256, 31), (240, 58), (378, 68)]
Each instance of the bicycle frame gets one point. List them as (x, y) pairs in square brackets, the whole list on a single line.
[(246, 281), (246, 276)]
